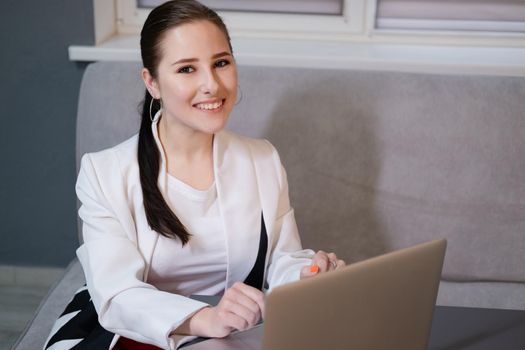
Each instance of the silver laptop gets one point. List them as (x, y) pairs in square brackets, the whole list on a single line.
[(386, 302), (382, 303)]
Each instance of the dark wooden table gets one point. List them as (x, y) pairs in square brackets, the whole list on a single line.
[(480, 329), (452, 328)]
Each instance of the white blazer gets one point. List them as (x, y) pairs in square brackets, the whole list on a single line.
[(118, 243)]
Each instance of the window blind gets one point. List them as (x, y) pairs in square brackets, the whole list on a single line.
[(475, 15), (324, 7)]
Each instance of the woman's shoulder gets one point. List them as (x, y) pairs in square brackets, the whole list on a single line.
[(123, 152), (121, 157)]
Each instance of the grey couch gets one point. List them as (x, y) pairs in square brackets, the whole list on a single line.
[(376, 161)]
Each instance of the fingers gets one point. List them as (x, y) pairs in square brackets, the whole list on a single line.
[(340, 263), (325, 261), (254, 294), (322, 262), (309, 271), (232, 318), (241, 307)]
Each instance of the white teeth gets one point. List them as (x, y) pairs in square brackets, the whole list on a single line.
[(208, 106)]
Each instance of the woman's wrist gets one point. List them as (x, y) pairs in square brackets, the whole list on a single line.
[(196, 324)]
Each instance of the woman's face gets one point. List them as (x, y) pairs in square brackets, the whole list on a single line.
[(196, 78)]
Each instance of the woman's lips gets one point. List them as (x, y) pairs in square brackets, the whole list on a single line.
[(210, 106)]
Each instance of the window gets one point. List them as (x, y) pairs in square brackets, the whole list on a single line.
[(264, 18), (443, 36), (350, 19), (323, 7), (458, 15)]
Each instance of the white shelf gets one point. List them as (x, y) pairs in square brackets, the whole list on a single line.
[(441, 59)]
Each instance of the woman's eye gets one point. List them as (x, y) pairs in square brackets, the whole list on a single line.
[(187, 69), (222, 63)]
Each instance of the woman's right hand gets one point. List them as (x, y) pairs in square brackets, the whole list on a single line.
[(240, 308)]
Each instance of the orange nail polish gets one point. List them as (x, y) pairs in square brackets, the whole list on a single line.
[(314, 269)]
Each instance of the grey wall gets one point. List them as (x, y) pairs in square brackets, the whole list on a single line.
[(38, 100)]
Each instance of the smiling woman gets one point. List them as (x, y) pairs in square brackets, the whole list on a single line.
[(184, 207)]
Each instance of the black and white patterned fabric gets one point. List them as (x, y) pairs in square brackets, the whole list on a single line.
[(78, 328)]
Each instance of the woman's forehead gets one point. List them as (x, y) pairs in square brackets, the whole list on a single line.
[(199, 39)]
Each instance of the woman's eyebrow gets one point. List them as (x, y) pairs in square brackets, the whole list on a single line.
[(184, 60), (221, 54), (187, 60)]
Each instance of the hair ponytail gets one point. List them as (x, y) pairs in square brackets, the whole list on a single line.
[(158, 213)]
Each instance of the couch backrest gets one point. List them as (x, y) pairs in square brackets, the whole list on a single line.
[(375, 160)]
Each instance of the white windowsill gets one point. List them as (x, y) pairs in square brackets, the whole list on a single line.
[(435, 58)]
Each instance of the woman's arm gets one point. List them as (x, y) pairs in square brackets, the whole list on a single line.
[(288, 260), (114, 266)]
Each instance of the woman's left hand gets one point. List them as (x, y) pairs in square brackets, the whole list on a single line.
[(322, 262)]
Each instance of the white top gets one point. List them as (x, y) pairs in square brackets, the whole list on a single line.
[(200, 266)]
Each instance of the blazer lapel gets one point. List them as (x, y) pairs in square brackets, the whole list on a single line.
[(239, 203)]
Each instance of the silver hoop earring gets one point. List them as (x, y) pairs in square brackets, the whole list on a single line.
[(239, 94), (150, 107), (151, 117)]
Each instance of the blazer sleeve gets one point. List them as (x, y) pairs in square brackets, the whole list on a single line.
[(114, 266), (287, 257)]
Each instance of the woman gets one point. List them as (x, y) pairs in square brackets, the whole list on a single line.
[(187, 208)]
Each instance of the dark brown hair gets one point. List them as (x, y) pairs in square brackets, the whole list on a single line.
[(161, 19)]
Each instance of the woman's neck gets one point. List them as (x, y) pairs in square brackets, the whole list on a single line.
[(181, 142), (189, 154)]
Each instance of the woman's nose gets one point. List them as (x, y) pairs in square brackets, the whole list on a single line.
[(209, 83)]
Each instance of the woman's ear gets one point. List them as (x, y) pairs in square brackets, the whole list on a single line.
[(151, 83)]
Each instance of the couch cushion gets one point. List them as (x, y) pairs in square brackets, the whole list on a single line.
[(376, 160), (379, 161)]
